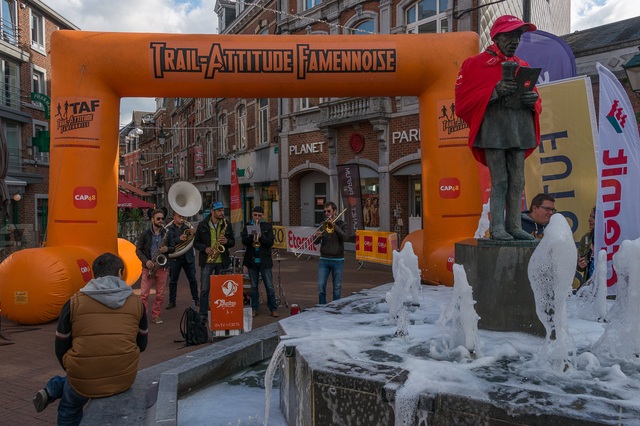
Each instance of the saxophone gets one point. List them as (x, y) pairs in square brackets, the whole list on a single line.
[(217, 247), (159, 259)]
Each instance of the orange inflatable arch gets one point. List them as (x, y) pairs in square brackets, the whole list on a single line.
[(92, 71)]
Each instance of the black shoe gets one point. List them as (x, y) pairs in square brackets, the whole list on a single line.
[(41, 400), (171, 305)]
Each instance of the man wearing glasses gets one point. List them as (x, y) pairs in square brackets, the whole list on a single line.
[(331, 236), (257, 237), (154, 244), (534, 220)]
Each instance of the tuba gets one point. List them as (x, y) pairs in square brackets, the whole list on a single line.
[(184, 199)]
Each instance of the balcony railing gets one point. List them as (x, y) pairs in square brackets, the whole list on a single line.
[(349, 108), (9, 32)]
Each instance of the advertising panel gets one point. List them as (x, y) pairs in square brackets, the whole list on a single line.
[(225, 301)]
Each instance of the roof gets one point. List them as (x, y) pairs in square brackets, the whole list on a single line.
[(615, 34)]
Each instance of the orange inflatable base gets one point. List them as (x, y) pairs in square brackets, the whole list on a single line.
[(436, 266)]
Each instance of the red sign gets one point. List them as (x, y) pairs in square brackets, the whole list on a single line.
[(85, 270), (198, 161), (383, 245), (225, 302), (85, 197), (449, 187), (368, 243)]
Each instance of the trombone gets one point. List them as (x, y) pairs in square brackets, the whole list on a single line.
[(327, 226)]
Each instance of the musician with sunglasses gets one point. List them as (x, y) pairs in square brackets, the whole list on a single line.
[(154, 242), (331, 239), (534, 220), (257, 237), (180, 231)]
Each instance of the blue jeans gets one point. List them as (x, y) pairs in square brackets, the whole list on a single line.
[(71, 404), (205, 284), (175, 266), (267, 279), (335, 267)]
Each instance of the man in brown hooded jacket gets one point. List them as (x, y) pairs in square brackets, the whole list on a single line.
[(101, 331)]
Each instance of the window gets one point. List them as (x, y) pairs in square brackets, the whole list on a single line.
[(10, 94), (304, 103), (222, 135), (241, 129), (364, 27), (264, 120), (209, 108), (9, 28), (37, 31), (427, 16), (308, 4), (13, 135), (38, 81)]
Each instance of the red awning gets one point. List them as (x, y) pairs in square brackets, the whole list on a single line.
[(124, 185), (129, 201)]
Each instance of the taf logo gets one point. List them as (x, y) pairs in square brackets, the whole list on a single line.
[(616, 117), (449, 188), (85, 270), (85, 197), (368, 243), (382, 245)]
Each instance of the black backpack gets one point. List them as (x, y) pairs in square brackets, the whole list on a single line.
[(193, 328)]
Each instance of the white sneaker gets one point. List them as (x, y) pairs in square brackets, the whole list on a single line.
[(157, 320)]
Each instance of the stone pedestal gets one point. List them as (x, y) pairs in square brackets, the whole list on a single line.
[(497, 272)]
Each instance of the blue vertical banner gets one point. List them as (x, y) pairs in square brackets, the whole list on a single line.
[(549, 52), (349, 182)]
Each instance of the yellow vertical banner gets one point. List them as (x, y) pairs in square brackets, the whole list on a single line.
[(564, 165), (280, 239)]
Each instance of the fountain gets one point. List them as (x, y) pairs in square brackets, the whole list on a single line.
[(346, 362)]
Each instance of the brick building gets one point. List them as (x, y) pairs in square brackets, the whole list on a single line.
[(314, 136), (26, 28)]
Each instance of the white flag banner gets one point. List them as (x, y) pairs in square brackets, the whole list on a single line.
[(618, 160)]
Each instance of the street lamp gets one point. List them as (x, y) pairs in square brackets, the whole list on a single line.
[(161, 136), (632, 68)]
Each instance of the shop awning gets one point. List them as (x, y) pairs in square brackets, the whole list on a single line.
[(129, 201), (134, 190)]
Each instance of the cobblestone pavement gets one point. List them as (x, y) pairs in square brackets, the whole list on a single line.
[(28, 360)]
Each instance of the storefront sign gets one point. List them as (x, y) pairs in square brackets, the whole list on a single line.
[(307, 148), (404, 136)]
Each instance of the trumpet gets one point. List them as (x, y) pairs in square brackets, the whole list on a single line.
[(256, 240), (327, 226)]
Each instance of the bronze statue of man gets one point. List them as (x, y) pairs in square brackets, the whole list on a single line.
[(504, 126)]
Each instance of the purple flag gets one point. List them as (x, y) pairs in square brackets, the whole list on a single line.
[(549, 52)]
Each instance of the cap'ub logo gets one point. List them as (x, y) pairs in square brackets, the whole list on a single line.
[(449, 187), (75, 115), (85, 197), (617, 117)]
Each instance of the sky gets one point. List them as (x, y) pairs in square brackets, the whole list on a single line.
[(198, 17)]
